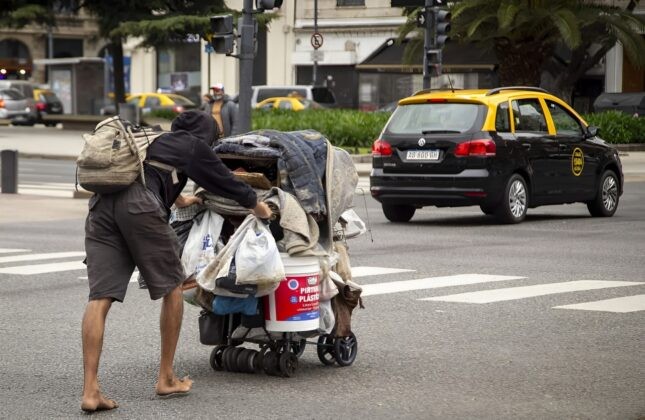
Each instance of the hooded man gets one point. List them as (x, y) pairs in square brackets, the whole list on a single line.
[(224, 111), (130, 228)]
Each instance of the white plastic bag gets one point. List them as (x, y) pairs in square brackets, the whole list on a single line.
[(220, 265), (257, 259), (355, 225), (199, 250)]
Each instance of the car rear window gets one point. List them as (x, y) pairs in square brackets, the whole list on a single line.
[(49, 97), (11, 94), (180, 100), (439, 117)]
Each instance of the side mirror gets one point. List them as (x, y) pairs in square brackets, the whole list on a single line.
[(592, 131)]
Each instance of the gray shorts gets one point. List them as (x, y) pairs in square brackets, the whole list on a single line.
[(127, 229)]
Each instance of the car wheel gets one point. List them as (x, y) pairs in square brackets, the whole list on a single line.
[(512, 208), (606, 201), (398, 213), (488, 210)]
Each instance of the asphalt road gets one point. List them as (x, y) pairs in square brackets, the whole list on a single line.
[(520, 355)]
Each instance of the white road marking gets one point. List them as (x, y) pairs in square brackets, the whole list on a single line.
[(621, 305), (431, 283), (9, 250), (33, 257), (43, 268), (364, 271), (513, 293)]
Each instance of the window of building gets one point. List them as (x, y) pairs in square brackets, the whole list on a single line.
[(341, 3)]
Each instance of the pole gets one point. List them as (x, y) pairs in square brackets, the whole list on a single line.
[(247, 50), (315, 69), (428, 42), (50, 53)]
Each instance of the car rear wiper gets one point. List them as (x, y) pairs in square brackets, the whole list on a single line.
[(440, 131)]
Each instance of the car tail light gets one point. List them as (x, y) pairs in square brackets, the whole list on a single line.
[(178, 108), (436, 100), (484, 147), (41, 106), (1, 103), (381, 148)]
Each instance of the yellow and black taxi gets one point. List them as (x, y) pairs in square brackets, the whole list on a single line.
[(505, 149)]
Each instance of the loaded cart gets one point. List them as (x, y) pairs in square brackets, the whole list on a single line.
[(280, 284)]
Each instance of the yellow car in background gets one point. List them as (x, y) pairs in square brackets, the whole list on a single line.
[(288, 102), (148, 102)]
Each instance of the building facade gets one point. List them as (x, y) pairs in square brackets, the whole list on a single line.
[(354, 39)]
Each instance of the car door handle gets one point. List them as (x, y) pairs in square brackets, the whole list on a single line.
[(562, 146), (527, 146)]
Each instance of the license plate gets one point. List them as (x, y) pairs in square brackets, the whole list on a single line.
[(422, 155)]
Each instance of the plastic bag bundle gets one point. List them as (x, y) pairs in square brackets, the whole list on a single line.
[(199, 250)]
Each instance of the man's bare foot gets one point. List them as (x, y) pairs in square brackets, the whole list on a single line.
[(97, 402), (174, 386)]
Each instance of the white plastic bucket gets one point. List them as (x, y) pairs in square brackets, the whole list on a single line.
[(294, 305)]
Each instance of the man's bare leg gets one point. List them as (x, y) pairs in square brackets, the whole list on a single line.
[(172, 311), (92, 330)]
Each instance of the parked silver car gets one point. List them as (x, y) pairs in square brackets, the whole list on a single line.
[(16, 107)]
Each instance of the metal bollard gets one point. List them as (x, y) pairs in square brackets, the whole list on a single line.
[(9, 177)]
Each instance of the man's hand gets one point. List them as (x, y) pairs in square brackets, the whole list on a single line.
[(185, 201), (261, 210)]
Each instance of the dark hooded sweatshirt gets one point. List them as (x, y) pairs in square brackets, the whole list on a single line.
[(187, 149)]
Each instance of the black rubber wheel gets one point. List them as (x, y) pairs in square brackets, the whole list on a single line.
[(226, 355), (298, 348), (345, 349), (270, 363), (288, 363), (216, 358), (487, 210), (325, 349), (606, 201), (245, 361), (398, 213), (512, 208)]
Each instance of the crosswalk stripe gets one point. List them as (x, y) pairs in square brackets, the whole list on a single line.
[(431, 283), (364, 271), (43, 268), (621, 305), (12, 250), (513, 293), (33, 257)]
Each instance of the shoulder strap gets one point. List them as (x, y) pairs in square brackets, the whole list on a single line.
[(165, 167)]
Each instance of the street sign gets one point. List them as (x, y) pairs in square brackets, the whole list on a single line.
[(317, 55), (316, 40)]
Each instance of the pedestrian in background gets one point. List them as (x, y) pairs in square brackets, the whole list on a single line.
[(224, 110), (130, 228)]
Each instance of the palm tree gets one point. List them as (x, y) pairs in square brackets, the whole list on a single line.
[(524, 34)]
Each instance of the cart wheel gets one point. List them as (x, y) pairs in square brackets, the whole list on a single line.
[(259, 360), (345, 349), (245, 360), (233, 359), (270, 363), (325, 349), (298, 348), (216, 358), (288, 364)]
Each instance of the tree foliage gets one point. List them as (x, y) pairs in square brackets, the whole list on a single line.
[(535, 40), (20, 13)]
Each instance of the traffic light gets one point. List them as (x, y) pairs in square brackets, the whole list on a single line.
[(223, 37), (441, 27), (433, 62), (263, 5)]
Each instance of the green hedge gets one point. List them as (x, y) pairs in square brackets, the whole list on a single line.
[(618, 127), (345, 128)]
